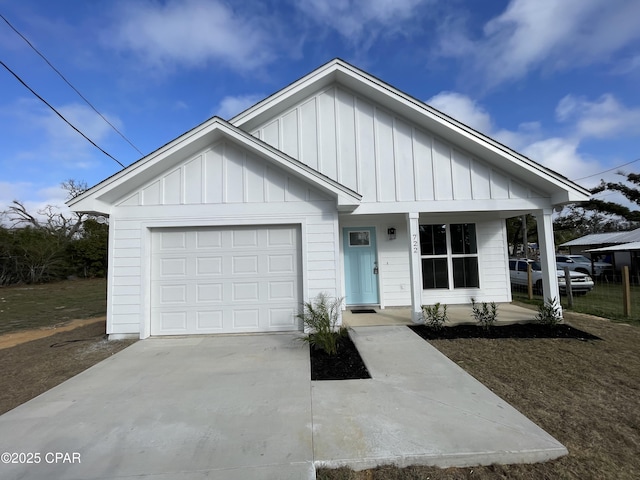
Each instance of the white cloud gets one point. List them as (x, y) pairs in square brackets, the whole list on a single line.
[(561, 154), (192, 33), (463, 109), (603, 118), (231, 106), (351, 18), (547, 34)]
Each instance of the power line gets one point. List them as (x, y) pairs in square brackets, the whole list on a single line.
[(609, 170), (59, 114), (69, 83)]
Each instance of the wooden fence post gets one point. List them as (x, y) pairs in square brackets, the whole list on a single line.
[(567, 282), (626, 292), (529, 282)]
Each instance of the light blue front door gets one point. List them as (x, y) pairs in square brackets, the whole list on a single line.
[(361, 265)]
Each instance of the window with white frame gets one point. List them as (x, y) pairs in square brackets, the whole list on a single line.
[(449, 256)]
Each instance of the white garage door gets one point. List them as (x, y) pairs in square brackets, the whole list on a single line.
[(225, 280)]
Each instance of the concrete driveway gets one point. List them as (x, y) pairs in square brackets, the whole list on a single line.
[(238, 407)]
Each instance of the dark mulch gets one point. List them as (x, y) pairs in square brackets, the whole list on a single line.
[(344, 365), (519, 330)]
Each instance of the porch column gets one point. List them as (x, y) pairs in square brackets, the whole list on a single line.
[(547, 255), (413, 228)]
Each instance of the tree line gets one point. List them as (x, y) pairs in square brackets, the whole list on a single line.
[(49, 245)]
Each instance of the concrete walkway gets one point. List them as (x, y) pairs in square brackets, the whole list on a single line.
[(420, 408), (236, 407)]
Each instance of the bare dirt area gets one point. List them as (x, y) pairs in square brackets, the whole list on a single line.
[(583, 392), (40, 359)]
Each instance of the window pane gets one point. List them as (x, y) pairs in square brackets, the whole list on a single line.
[(434, 273), (463, 238), (433, 240), (465, 272), (359, 239)]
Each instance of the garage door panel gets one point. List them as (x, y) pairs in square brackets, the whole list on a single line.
[(173, 240), (282, 263), (209, 292), (209, 239), (175, 322), (208, 265), (279, 291), (173, 266), (244, 265), (283, 318), (246, 292), (172, 294), (214, 280), (244, 238), (249, 318), (207, 320), (281, 237)]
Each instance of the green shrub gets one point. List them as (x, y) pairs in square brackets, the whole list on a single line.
[(485, 316), (549, 313), (433, 317), (320, 318)]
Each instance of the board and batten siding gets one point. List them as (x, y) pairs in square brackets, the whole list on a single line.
[(382, 156), (221, 186)]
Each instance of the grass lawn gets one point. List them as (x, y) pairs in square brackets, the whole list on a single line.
[(584, 393), (33, 306), (605, 300)]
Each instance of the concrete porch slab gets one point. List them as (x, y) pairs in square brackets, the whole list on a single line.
[(458, 315)]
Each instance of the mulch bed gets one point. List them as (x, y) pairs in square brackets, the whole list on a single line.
[(519, 330), (344, 365)]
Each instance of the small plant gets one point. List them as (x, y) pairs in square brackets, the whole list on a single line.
[(549, 313), (320, 318), (433, 317), (486, 315)]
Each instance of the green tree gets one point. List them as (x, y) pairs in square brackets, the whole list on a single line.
[(88, 252), (51, 244), (599, 216)]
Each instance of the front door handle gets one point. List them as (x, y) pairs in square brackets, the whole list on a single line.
[(375, 270)]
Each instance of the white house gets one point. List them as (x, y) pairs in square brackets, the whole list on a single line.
[(338, 183)]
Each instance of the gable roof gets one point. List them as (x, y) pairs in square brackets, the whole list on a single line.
[(337, 71), (102, 196)]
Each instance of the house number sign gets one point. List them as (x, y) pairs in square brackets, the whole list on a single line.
[(414, 243)]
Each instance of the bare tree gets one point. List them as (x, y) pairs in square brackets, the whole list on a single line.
[(49, 218)]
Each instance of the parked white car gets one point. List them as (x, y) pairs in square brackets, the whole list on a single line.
[(580, 263), (580, 283)]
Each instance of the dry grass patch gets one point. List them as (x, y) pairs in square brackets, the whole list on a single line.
[(584, 393), (32, 368)]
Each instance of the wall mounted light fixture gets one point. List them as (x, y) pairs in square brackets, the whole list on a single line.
[(391, 232)]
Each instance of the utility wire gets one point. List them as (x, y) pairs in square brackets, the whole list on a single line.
[(609, 170), (69, 83), (59, 114)]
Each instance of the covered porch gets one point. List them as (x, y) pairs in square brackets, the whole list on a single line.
[(508, 313)]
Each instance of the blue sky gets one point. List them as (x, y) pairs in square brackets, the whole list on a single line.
[(558, 81)]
